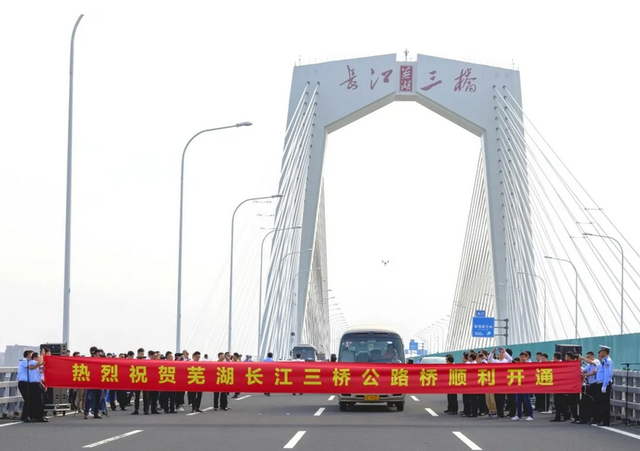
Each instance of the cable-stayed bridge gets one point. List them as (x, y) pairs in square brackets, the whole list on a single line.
[(538, 248), (528, 218)]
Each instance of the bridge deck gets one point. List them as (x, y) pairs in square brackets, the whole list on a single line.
[(272, 423)]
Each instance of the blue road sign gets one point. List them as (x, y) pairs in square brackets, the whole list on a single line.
[(483, 327), (481, 313), (413, 345)]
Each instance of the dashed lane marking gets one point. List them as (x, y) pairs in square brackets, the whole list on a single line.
[(433, 414), (112, 439), (243, 397), (414, 398), (198, 413), (466, 441), (319, 412), (296, 438), (331, 398)]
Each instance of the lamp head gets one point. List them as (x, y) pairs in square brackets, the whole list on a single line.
[(587, 234), (244, 124), (546, 256), (276, 196)]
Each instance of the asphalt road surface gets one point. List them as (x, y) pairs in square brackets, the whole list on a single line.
[(310, 423)]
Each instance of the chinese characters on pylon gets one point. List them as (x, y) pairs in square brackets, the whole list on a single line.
[(352, 83), (464, 82)]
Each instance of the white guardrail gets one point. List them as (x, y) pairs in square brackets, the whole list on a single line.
[(625, 396), (11, 401)]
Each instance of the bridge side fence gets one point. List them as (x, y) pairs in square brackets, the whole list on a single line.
[(625, 396), (11, 402)]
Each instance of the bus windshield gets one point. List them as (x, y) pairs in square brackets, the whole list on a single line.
[(307, 353), (375, 347)]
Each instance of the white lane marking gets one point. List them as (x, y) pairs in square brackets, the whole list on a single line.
[(197, 413), (117, 437), (331, 398), (433, 414), (296, 438), (628, 434), (319, 412), (243, 397), (466, 441), (414, 398), (9, 424)]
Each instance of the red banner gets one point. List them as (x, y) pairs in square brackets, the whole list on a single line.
[(311, 377)]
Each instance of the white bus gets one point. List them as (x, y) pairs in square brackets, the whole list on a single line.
[(308, 353), (371, 344)]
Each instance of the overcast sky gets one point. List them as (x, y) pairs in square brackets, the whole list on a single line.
[(151, 74)]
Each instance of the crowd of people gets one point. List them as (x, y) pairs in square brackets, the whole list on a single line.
[(592, 406), (93, 403)]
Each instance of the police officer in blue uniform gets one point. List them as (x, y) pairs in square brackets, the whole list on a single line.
[(604, 379), (36, 389), (588, 410), (24, 379)]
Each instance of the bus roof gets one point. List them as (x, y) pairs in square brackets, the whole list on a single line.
[(370, 328), (304, 345)]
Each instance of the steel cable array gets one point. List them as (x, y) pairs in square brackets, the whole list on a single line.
[(546, 206)]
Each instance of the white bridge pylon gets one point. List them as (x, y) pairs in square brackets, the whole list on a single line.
[(328, 96)]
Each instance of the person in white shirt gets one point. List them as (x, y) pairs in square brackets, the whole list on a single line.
[(525, 356), (503, 357), (298, 359)]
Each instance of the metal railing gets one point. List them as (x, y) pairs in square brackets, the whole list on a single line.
[(625, 394), (11, 401)]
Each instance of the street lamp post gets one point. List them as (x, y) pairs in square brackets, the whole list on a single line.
[(544, 320), (437, 326), (179, 301), (233, 218), (67, 232), (260, 291), (436, 337), (299, 321), (576, 293), (621, 276), (337, 329)]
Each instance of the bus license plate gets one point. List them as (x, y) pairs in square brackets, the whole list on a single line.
[(372, 397)]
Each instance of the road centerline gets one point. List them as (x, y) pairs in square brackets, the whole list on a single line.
[(319, 412), (112, 439), (466, 441), (296, 438)]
